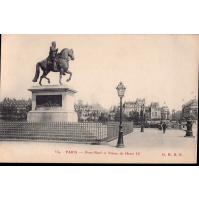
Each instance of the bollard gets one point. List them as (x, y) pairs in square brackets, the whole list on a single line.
[(189, 132)]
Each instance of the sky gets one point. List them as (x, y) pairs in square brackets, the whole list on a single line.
[(159, 68)]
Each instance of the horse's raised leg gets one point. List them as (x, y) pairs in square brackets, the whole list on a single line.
[(37, 72), (60, 76), (70, 75), (47, 78), (44, 75)]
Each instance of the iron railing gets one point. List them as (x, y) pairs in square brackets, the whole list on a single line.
[(62, 131), (113, 128)]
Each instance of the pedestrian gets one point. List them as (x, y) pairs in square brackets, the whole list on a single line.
[(164, 126)]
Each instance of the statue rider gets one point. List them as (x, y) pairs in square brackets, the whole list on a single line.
[(53, 54)]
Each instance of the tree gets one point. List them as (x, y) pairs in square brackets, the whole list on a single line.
[(28, 107), (79, 114), (141, 114), (117, 115), (4, 111), (168, 113), (163, 116), (103, 117), (13, 111), (134, 116)]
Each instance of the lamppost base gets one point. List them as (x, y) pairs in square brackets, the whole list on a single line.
[(120, 146), (189, 134), (120, 143)]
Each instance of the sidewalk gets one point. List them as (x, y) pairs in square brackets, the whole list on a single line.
[(153, 138), (150, 146)]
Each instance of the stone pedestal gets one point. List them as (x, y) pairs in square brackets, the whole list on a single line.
[(52, 103)]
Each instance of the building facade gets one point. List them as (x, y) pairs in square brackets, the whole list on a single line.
[(178, 115), (131, 107), (88, 112), (152, 112), (165, 114), (173, 114), (112, 113), (190, 109), (141, 103), (13, 107), (155, 111), (148, 112)]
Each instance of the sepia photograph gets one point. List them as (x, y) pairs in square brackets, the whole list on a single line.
[(100, 84), (99, 98)]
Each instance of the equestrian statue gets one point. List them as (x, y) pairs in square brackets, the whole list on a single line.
[(55, 62)]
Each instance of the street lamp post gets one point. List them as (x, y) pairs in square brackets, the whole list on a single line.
[(142, 118), (120, 89), (189, 132)]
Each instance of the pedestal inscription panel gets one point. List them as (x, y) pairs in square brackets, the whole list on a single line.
[(52, 104), (49, 101)]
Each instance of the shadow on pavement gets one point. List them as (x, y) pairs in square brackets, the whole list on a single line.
[(112, 145)]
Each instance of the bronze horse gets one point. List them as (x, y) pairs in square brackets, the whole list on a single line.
[(62, 65)]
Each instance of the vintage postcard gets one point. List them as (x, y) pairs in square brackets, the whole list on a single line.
[(99, 99)]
